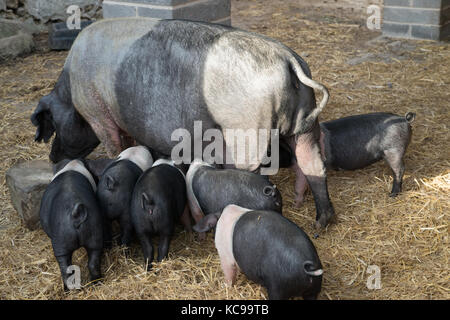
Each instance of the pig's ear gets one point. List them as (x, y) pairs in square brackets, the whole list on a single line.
[(79, 214), (147, 204), (43, 120), (110, 183), (206, 223), (97, 167)]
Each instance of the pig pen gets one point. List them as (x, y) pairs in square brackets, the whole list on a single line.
[(406, 237)]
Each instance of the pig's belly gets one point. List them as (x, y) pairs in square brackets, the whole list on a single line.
[(353, 162), (162, 131)]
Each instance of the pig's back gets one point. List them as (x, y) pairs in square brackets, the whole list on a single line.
[(59, 198), (267, 245), (358, 141), (215, 189), (168, 182)]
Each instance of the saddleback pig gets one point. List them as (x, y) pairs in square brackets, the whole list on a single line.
[(269, 249), (116, 186), (143, 79), (210, 190), (158, 202), (358, 141), (71, 217)]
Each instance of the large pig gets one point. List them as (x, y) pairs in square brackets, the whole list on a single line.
[(71, 217), (358, 141), (269, 249), (157, 203), (140, 78), (210, 190), (115, 188)]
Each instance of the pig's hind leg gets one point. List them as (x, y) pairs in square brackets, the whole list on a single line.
[(301, 184), (276, 292), (186, 219), (126, 230), (163, 246), (64, 262), (147, 249), (94, 263), (394, 158)]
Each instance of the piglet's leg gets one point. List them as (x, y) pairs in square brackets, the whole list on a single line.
[(147, 249), (163, 246), (94, 262), (64, 262), (186, 219), (126, 230), (394, 158)]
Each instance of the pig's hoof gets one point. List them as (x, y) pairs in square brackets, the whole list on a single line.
[(393, 194), (324, 221), (95, 281)]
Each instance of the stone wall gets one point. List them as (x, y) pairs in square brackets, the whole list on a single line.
[(218, 11), (421, 19)]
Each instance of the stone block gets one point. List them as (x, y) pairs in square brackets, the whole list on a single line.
[(27, 182)]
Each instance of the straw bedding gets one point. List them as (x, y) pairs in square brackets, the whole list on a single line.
[(406, 236)]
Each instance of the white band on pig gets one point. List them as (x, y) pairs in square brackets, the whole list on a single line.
[(139, 155), (170, 163), (192, 200), (225, 230), (78, 166)]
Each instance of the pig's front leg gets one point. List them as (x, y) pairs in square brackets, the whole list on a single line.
[(309, 160), (196, 211), (229, 270)]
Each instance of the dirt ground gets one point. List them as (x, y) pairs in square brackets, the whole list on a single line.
[(406, 237)]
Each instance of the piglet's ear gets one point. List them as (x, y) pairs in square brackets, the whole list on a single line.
[(206, 223), (43, 120), (98, 166), (110, 183), (79, 214), (147, 204)]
